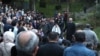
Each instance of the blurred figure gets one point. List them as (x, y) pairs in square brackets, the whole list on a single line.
[(51, 24), (26, 43), (1, 26), (23, 26), (70, 28), (1, 54), (7, 44), (65, 17), (8, 25), (78, 48), (15, 26), (85, 9), (66, 43), (90, 46), (56, 28), (52, 48), (34, 24), (98, 49), (1, 39), (91, 36)]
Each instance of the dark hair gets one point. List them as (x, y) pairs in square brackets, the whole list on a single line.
[(53, 35), (79, 36), (14, 22), (66, 42), (89, 45), (88, 26), (20, 23), (98, 47)]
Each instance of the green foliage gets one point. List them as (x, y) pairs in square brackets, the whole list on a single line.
[(97, 12), (94, 18), (97, 16), (76, 7), (26, 0), (73, 5), (97, 30), (50, 9)]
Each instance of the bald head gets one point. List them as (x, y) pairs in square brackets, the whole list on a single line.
[(70, 19), (26, 41), (24, 38)]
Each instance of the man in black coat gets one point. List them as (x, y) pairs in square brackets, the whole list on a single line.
[(71, 28), (8, 25), (52, 48)]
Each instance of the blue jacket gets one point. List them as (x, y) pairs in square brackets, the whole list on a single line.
[(78, 49)]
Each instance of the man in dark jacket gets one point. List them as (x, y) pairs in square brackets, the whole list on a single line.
[(71, 28), (52, 48), (8, 25)]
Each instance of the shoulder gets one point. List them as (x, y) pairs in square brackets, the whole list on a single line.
[(68, 49), (93, 32), (84, 51), (43, 46), (89, 52), (13, 51)]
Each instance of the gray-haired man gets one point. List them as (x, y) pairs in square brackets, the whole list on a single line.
[(26, 43)]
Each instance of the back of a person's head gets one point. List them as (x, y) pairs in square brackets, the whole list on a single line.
[(79, 36), (70, 19), (53, 35), (88, 26), (8, 36), (20, 23), (66, 42), (14, 22), (26, 42)]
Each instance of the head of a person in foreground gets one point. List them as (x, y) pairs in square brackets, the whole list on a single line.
[(53, 37), (79, 36), (26, 43)]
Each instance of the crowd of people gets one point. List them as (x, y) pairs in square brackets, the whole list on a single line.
[(31, 33)]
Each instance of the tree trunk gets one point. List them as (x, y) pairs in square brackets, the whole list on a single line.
[(30, 4)]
